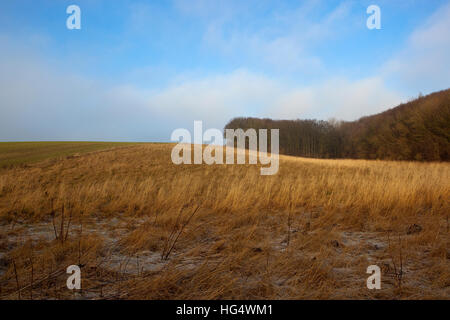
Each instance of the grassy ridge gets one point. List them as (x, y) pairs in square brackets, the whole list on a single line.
[(145, 228), (13, 153)]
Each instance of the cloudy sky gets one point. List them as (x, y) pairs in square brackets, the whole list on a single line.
[(137, 70)]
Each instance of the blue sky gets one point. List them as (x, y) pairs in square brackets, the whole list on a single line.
[(137, 70)]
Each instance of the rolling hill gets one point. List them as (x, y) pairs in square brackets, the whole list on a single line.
[(416, 130)]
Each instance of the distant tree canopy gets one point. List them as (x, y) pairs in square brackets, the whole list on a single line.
[(417, 130)]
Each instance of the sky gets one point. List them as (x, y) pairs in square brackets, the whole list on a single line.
[(138, 70)]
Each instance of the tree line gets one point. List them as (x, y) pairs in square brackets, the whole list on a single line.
[(416, 130)]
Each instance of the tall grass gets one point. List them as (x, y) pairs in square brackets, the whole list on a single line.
[(306, 232)]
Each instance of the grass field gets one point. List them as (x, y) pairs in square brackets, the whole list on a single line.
[(14, 153), (144, 228)]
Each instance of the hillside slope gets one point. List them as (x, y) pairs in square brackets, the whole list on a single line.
[(309, 232), (417, 130)]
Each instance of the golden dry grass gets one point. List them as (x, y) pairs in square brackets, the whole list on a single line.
[(308, 232)]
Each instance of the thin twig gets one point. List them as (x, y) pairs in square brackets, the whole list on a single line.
[(68, 225), (32, 272), (52, 213), (17, 279), (179, 233), (61, 233)]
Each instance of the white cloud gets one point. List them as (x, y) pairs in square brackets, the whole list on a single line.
[(216, 99), (241, 93), (339, 98), (424, 64), (41, 101), (283, 40), (44, 103)]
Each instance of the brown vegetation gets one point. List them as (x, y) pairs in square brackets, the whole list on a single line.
[(142, 227), (417, 130)]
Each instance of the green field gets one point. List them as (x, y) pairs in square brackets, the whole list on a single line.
[(16, 153)]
